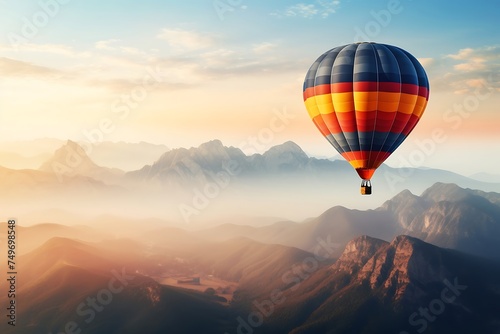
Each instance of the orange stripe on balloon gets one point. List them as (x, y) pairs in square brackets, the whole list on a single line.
[(366, 101), (332, 122), (366, 159), (343, 102), (320, 124)]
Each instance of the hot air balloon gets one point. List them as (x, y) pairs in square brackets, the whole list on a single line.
[(365, 99)]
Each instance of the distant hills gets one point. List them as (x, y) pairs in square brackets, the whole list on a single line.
[(121, 155), (202, 184)]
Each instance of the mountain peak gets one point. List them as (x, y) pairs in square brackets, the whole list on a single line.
[(402, 241), (71, 159), (212, 144), (446, 192), (70, 156), (400, 267), (357, 252), (286, 147), (214, 149), (285, 157)]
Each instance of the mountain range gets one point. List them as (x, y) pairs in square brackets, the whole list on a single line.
[(282, 162), (211, 182), (444, 215)]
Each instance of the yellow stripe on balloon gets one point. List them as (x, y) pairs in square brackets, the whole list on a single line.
[(365, 101), (312, 107), (388, 102), (358, 163), (420, 106), (325, 109), (407, 103), (323, 99), (343, 102)]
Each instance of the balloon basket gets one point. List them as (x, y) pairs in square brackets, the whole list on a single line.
[(366, 187)]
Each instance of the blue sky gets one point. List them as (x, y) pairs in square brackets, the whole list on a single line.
[(226, 67)]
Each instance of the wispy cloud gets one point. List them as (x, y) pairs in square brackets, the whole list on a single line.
[(106, 44), (185, 40), (321, 8), (427, 62), (112, 45), (471, 60), (54, 49), (301, 9), (467, 70), (264, 47), (224, 63), (16, 68)]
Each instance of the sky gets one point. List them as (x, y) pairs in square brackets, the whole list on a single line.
[(181, 73)]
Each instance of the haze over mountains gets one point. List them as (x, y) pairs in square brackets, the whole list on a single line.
[(198, 185), (445, 215), (270, 236), (121, 155)]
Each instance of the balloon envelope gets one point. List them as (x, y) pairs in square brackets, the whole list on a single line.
[(366, 98)]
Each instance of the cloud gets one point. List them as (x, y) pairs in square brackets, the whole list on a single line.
[(321, 8), (468, 70), (427, 62), (56, 49), (264, 47), (117, 67), (106, 44), (16, 68), (328, 7), (476, 59), (112, 45), (301, 9), (186, 40), (224, 63)]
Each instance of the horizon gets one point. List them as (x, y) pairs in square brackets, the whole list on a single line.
[(247, 151)]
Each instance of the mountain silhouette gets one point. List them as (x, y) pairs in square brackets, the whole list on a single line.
[(71, 159)]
